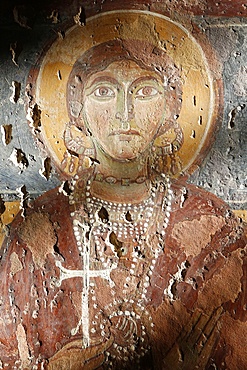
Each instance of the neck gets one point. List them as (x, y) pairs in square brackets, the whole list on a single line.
[(124, 182)]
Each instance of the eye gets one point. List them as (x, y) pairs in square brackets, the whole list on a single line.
[(103, 92), (146, 92)]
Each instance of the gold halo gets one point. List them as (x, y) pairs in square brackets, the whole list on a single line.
[(199, 106)]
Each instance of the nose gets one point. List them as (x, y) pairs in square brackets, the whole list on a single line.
[(124, 111)]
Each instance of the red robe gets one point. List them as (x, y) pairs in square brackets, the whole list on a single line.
[(185, 310)]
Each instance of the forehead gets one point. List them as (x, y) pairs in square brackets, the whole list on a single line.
[(124, 71)]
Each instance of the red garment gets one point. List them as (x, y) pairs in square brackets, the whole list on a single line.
[(188, 311)]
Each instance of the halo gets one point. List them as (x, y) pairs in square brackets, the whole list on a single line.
[(200, 91)]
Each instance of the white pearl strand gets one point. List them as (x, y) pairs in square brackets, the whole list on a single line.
[(125, 230), (133, 230), (117, 212)]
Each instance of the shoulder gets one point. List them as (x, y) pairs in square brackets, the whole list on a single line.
[(191, 200), (201, 214), (38, 223), (209, 241)]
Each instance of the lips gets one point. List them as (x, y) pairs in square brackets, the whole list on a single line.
[(123, 132)]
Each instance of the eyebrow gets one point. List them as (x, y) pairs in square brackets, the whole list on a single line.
[(103, 79), (145, 78), (115, 82)]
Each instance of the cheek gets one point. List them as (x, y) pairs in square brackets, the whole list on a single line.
[(148, 115), (99, 117)]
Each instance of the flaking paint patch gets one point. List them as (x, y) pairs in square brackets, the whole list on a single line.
[(19, 159), (32, 233), (23, 346), (196, 234), (16, 88), (79, 18), (6, 134), (220, 289), (46, 170), (34, 117), (16, 264)]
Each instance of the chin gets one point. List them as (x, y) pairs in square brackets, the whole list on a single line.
[(124, 157)]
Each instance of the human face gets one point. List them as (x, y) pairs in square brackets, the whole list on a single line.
[(123, 108)]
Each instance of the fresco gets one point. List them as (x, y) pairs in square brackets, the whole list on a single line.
[(198, 103), (124, 265)]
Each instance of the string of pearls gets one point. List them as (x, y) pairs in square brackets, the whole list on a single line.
[(125, 219), (130, 223)]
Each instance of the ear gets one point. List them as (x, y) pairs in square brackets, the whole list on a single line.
[(169, 136), (77, 142)]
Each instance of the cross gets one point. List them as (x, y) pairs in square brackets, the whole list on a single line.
[(85, 274)]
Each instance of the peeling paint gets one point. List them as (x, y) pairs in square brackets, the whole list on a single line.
[(46, 170), (18, 158), (2, 206), (170, 291), (23, 346), (34, 117), (232, 115), (61, 34), (54, 17), (16, 264), (31, 233), (59, 75), (79, 18), (65, 188), (16, 88), (183, 196), (196, 234), (23, 194), (6, 134)]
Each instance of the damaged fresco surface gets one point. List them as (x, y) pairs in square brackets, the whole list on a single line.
[(115, 114)]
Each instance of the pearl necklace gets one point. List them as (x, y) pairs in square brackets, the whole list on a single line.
[(129, 222), (131, 225), (125, 219)]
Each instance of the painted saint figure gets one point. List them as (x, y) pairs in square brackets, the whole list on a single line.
[(127, 269)]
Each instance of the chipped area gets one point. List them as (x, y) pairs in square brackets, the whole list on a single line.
[(61, 34), (176, 278), (65, 188), (2, 206), (19, 159), (54, 17), (16, 264), (32, 233), (232, 115), (6, 134), (220, 289), (23, 346), (46, 170), (79, 18), (14, 52), (23, 194), (34, 117), (16, 89), (59, 76), (196, 234)]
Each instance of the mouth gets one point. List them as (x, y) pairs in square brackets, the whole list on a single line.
[(123, 132)]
